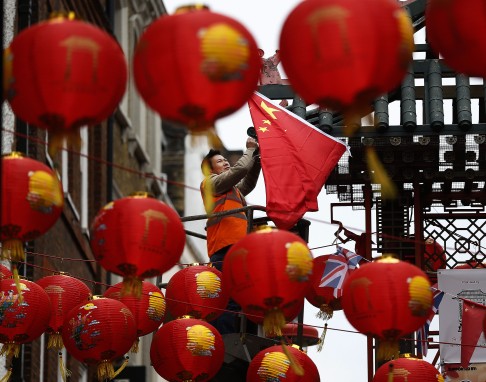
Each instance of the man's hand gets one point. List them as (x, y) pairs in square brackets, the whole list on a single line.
[(251, 143)]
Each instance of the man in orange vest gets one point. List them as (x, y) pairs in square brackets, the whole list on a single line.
[(227, 188), (224, 188)]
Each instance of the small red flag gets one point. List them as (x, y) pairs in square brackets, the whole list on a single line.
[(296, 157), (473, 315)]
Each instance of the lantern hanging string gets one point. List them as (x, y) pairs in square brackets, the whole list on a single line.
[(314, 326), (178, 184)]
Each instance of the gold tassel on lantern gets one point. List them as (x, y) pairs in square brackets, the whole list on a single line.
[(379, 175), (387, 350), (208, 135), (213, 138), (273, 322), (65, 373), (325, 312), (59, 137), (105, 371), (16, 278), (135, 346), (55, 341), (122, 367), (322, 338), (13, 250), (7, 376), (10, 349), (294, 364), (132, 286)]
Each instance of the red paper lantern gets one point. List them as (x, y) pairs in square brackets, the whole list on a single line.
[(32, 201), (407, 369), (387, 298), (137, 237), (65, 74), (197, 291), (310, 335), (273, 364), (327, 299), (457, 34), (148, 309), (268, 274), (65, 292), (99, 332), (22, 318), (332, 50), (196, 66), (5, 273), (187, 349), (434, 256)]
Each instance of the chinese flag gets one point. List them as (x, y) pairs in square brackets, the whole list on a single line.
[(473, 315), (296, 158)]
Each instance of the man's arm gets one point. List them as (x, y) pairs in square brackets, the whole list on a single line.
[(226, 180), (248, 183)]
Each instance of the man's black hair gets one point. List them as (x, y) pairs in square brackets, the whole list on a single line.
[(207, 158)]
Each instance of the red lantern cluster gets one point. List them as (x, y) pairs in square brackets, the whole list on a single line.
[(137, 237), (407, 369), (22, 319), (147, 309), (197, 291), (388, 299), (457, 34), (196, 66), (32, 201), (332, 50), (187, 349), (64, 74), (327, 299), (65, 292), (99, 332), (273, 364), (270, 289)]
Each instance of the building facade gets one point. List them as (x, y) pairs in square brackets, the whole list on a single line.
[(126, 153)]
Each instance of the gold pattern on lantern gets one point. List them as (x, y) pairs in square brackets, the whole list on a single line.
[(156, 308), (274, 366), (225, 52), (420, 295), (44, 191), (200, 340), (299, 261), (78, 44), (153, 215), (208, 284)]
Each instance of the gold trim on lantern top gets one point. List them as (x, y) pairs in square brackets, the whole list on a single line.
[(191, 8)]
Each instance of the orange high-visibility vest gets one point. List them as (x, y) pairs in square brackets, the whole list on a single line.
[(225, 230)]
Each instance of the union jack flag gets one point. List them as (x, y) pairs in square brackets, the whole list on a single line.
[(338, 265), (423, 332)]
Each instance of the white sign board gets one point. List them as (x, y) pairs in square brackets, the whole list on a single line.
[(463, 283)]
